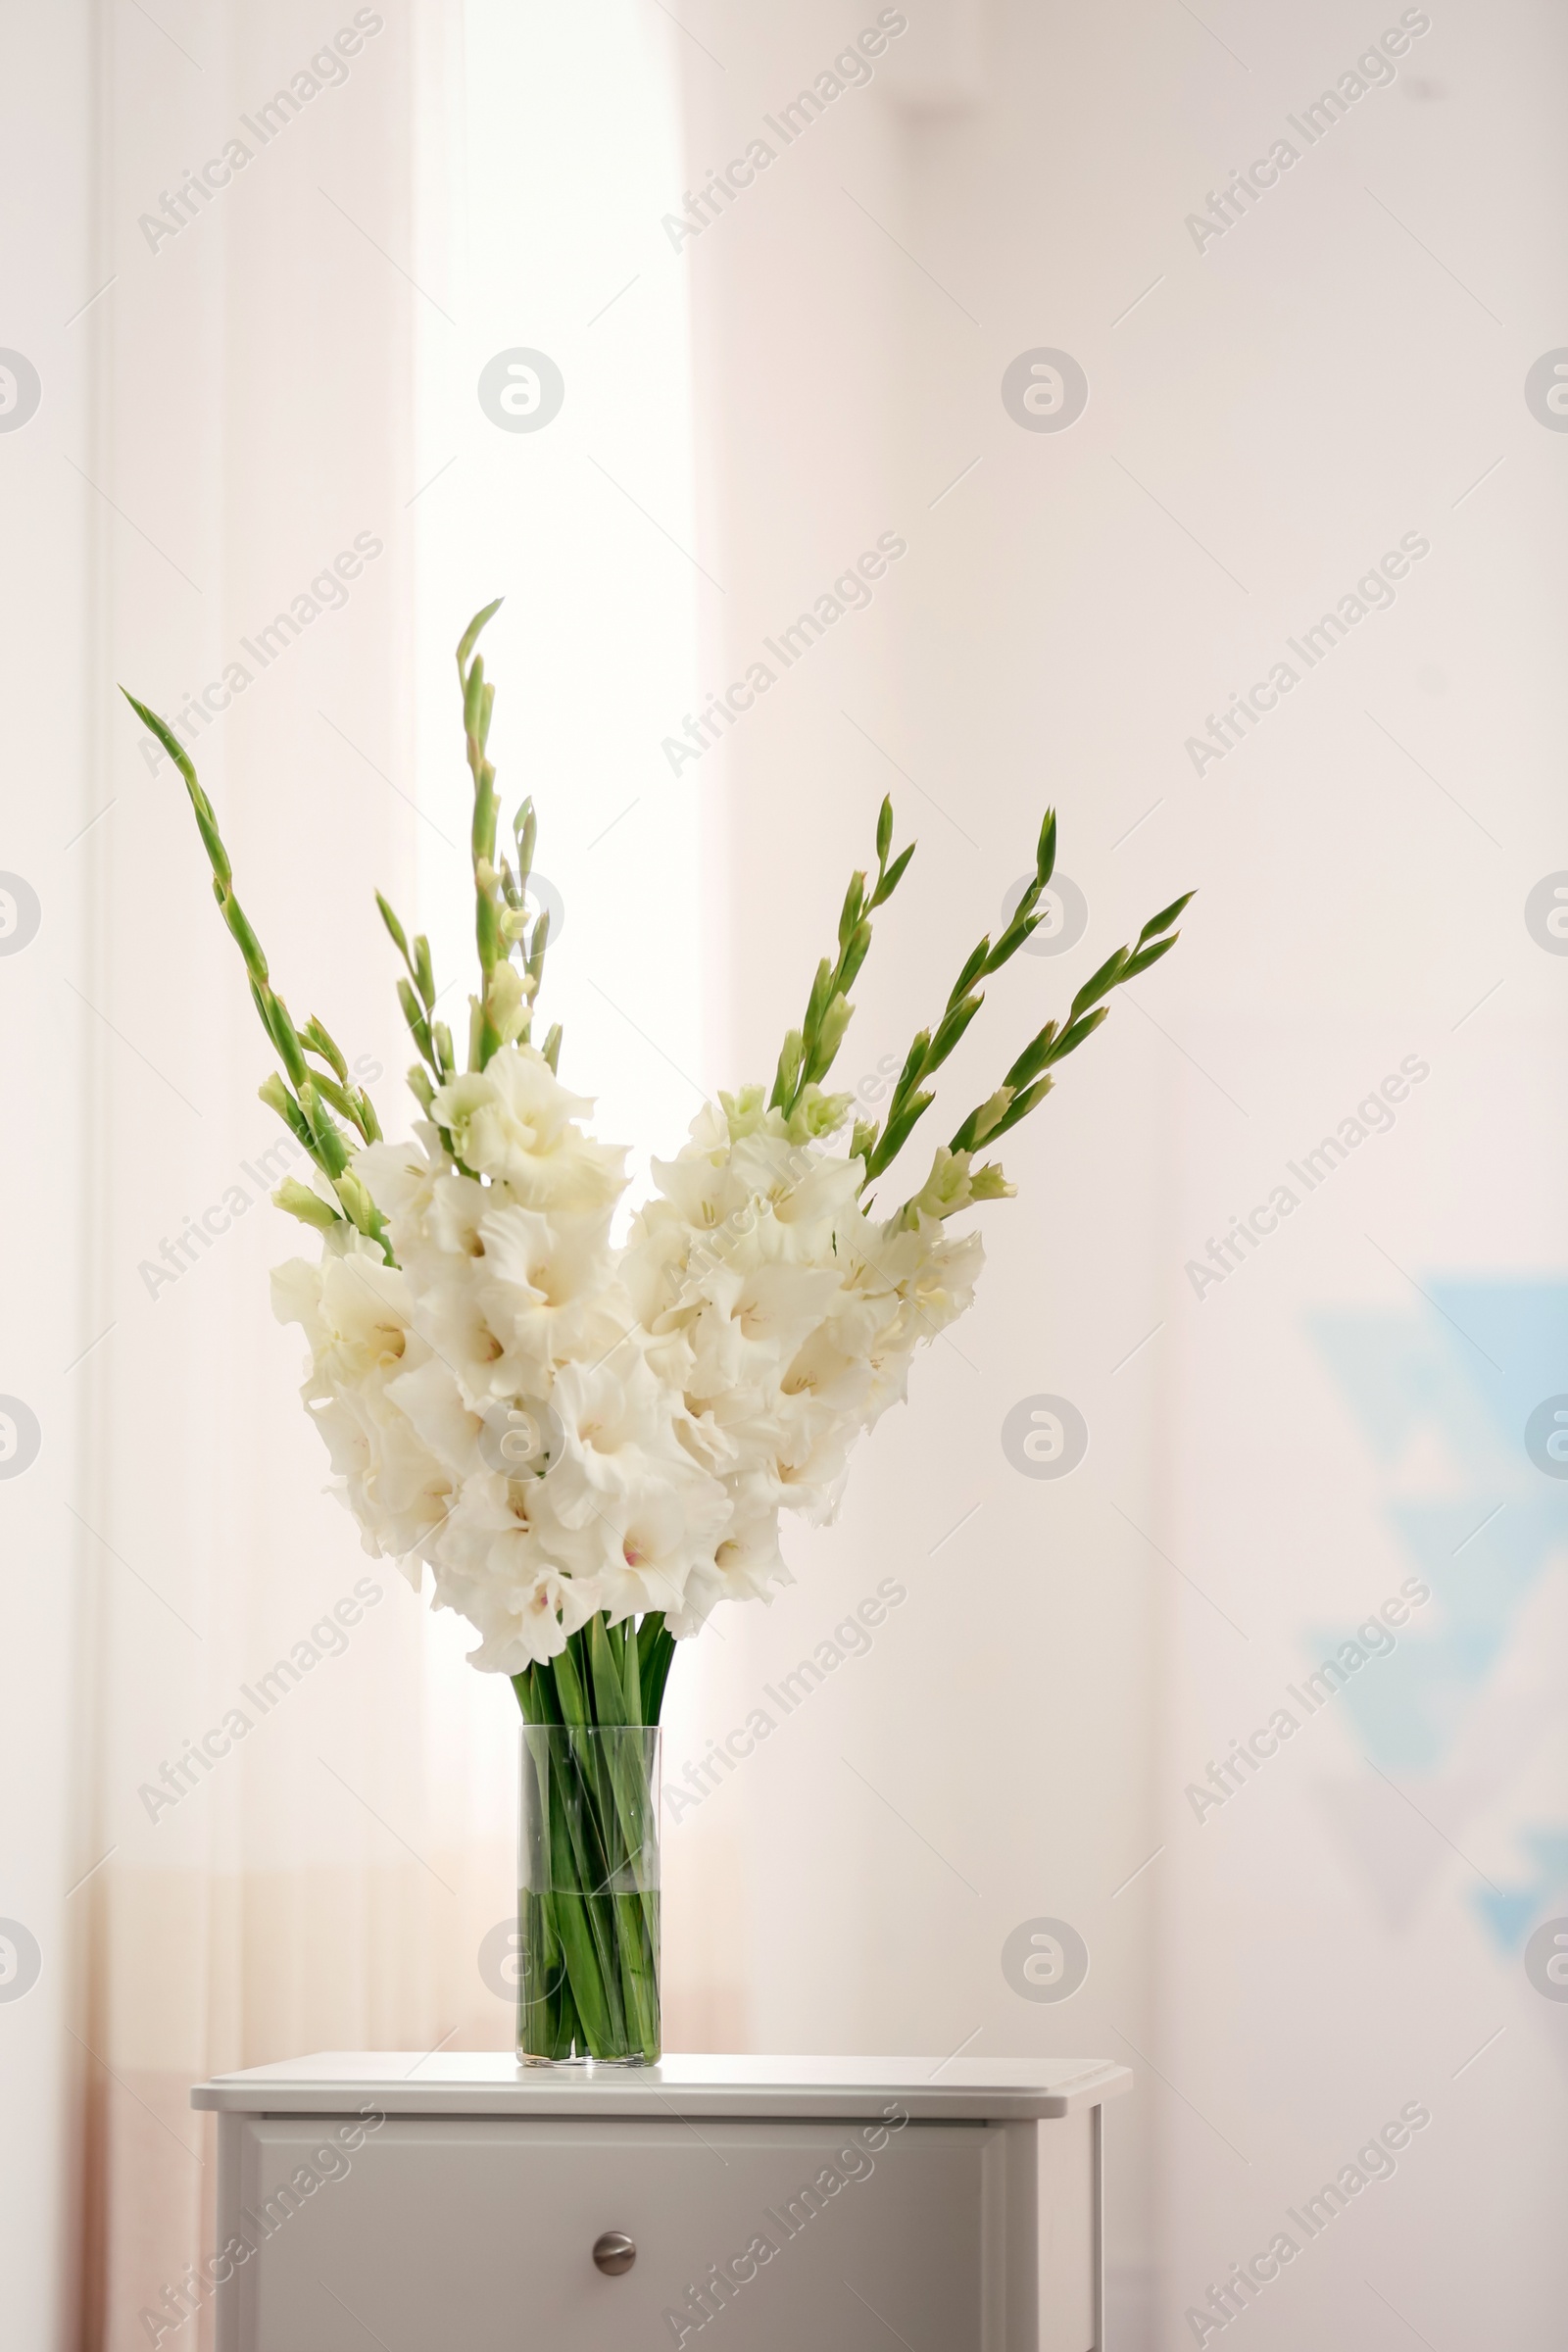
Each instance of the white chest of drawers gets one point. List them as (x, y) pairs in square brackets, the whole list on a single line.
[(458, 2204)]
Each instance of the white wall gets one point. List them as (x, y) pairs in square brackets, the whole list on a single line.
[(1268, 417)]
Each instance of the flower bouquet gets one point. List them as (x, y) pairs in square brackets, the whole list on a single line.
[(589, 1444)]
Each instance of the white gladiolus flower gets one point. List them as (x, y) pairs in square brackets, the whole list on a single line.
[(566, 1431), (678, 1392), (515, 1121), (355, 1311), (547, 1292), (671, 1533), (618, 1423)]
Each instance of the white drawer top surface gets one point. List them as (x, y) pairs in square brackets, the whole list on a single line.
[(490, 2083)]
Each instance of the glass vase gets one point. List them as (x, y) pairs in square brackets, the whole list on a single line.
[(588, 1895)]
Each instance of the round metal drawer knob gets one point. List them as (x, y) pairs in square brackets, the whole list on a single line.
[(615, 2252)]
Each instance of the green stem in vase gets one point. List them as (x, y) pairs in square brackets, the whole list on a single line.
[(547, 2020), (590, 1936), (577, 1876)]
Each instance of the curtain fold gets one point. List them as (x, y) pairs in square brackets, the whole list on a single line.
[(273, 1879), (273, 1810)]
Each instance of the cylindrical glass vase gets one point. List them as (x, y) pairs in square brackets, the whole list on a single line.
[(588, 1895)]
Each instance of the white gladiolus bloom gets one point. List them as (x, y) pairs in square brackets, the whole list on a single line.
[(675, 1395), (564, 1430), (356, 1314), (517, 1122)]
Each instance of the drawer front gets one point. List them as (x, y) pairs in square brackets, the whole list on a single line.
[(458, 2235)]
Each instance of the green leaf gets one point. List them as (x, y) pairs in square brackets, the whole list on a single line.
[(884, 832), (569, 1690), (657, 1648), (631, 1673), (609, 1692)]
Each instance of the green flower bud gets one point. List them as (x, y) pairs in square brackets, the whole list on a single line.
[(817, 1114), (745, 1111), (990, 1184), (394, 926), (325, 1136), (316, 1036), (506, 997), (310, 1209), (789, 1067), (831, 1033), (360, 1208), (524, 828), (945, 1191), (990, 1114)]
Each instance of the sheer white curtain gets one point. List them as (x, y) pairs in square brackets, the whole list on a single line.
[(257, 1802), (541, 210)]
